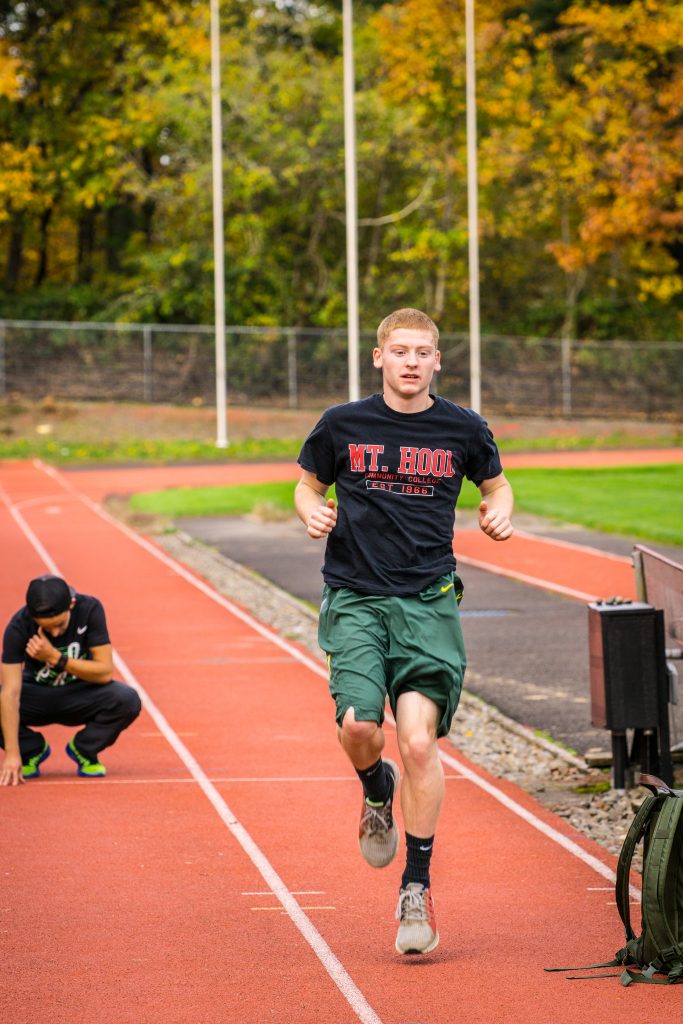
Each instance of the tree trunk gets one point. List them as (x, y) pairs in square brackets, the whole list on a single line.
[(86, 246), (15, 252), (120, 222), (41, 269)]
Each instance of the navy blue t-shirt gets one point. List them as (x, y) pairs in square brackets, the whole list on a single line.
[(398, 477), (87, 628)]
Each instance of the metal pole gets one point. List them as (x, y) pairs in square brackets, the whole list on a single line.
[(566, 377), (218, 231), (472, 209), (292, 381), (351, 202), (147, 363)]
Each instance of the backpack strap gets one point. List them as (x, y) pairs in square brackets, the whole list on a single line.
[(657, 786), (646, 977), (638, 828)]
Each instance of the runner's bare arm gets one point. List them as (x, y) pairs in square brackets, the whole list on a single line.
[(99, 668), (10, 696), (318, 514), (496, 508)]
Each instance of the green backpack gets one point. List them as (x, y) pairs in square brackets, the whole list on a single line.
[(659, 947)]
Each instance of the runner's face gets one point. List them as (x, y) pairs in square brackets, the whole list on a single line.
[(408, 362), (56, 624)]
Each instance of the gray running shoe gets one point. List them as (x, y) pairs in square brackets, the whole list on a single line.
[(377, 832), (417, 932)]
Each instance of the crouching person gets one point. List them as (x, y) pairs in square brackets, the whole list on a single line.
[(57, 668)]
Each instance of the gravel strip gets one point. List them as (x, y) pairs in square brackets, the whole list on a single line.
[(559, 780)]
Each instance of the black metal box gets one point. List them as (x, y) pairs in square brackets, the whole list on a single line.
[(627, 666)]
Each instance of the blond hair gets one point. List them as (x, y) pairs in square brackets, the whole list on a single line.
[(412, 319)]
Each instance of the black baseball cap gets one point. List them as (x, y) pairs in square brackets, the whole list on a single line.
[(48, 596)]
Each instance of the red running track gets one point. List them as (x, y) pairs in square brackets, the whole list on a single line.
[(214, 876)]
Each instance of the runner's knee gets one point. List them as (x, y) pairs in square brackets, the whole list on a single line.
[(127, 701), (417, 748), (355, 731)]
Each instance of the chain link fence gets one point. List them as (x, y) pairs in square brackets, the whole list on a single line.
[(306, 367)]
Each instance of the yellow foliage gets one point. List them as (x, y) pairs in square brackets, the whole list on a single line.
[(662, 288), (10, 82), (17, 177)]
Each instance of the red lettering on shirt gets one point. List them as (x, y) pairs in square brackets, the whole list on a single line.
[(408, 459), (375, 450), (441, 463), (357, 456)]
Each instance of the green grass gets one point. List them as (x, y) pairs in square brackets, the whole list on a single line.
[(133, 450), (216, 501), (643, 502)]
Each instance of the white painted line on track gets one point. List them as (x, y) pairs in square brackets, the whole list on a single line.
[(571, 546), (77, 781), (295, 892), (568, 844), (36, 502), (28, 532), (547, 830), (332, 965), (534, 581), (232, 780)]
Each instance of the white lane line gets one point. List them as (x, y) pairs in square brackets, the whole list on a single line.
[(571, 546), (231, 780), (28, 532), (36, 502), (547, 830), (332, 965), (534, 581), (295, 892), (281, 911)]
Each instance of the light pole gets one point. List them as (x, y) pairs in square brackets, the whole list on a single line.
[(472, 208), (218, 230), (351, 202)]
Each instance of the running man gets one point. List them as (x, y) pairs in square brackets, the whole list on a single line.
[(57, 668), (389, 619)]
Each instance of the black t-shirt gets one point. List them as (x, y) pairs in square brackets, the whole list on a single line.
[(398, 477), (87, 628)]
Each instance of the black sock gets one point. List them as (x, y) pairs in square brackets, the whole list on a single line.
[(376, 782), (418, 856)]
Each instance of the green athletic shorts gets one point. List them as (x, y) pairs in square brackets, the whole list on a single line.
[(383, 645)]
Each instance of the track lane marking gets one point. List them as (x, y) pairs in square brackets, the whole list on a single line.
[(569, 545), (568, 844), (533, 581), (337, 972), (218, 779)]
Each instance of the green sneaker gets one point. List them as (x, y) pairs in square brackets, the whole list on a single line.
[(30, 769), (90, 769)]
